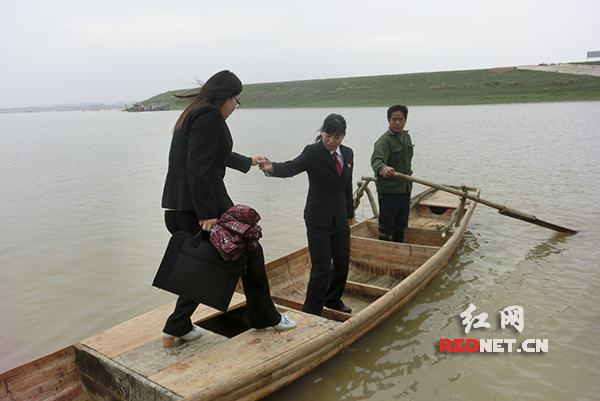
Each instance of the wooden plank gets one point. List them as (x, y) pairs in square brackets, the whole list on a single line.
[(440, 199), (285, 260), (147, 328), (48, 378), (293, 291), (424, 236), (289, 267), (393, 259), (153, 357), (64, 387), (364, 277), (428, 221), (299, 263), (362, 227), (326, 313), (382, 253), (280, 278), (366, 229), (241, 355), (364, 291), (105, 379)]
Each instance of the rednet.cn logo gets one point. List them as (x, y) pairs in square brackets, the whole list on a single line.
[(510, 316)]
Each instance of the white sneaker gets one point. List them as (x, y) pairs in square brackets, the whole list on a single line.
[(169, 340), (285, 324)]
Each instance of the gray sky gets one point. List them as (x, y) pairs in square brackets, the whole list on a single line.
[(74, 51)]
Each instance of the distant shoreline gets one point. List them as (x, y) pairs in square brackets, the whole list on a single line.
[(469, 87), (75, 107), (560, 82)]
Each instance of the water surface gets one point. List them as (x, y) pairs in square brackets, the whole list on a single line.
[(81, 236)]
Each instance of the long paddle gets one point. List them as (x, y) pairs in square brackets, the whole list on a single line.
[(501, 208)]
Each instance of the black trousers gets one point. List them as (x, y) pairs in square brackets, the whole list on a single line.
[(327, 279), (394, 210), (259, 305)]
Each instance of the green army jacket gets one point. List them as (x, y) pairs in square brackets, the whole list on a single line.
[(390, 151)]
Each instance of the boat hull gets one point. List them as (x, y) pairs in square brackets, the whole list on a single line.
[(233, 362)]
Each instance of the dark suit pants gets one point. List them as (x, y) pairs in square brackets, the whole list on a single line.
[(327, 280), (394, 210), (259, 305)]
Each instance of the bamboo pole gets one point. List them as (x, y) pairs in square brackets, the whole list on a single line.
[(359, 193), (504, 210), (421, 196), (372, 202), (463, 201)]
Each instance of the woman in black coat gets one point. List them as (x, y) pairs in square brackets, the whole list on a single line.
[(328, 212), (195, 196)]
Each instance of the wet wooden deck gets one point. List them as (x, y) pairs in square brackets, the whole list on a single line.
[(129, 362)]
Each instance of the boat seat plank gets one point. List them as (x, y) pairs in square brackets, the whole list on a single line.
[(147, 328), (357, 296), (382, 257), (427, 222), (326, 313), (444, 203), (365, 291), (358, 275), (244, 354), (440, 199)]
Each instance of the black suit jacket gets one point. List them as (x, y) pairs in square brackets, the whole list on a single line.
[(200, 152), (329, 196)]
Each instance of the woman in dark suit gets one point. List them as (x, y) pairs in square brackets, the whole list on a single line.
[(328, 212), (195, 196)]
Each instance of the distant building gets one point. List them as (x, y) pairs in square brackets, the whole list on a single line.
[(594, 54)]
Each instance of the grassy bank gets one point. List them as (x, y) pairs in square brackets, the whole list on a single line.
[(502, 85)]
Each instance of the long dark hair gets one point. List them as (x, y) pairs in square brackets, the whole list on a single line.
[(215, 92), (333, 124)]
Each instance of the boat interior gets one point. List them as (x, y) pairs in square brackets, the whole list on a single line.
[(128, 361), (375, 266)]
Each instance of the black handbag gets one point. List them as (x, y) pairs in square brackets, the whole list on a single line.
[(193, 268)]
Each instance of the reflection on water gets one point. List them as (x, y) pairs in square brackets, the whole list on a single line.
[(548, 247), (81, 236)]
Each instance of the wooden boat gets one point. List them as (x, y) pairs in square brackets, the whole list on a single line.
[(231, 361)]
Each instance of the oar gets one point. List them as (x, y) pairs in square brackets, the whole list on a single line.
[(501, 208)]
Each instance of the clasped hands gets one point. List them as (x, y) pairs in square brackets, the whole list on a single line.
[(264, 164)]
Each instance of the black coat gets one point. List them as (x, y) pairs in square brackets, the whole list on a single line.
[(200, 152), (329, 196)]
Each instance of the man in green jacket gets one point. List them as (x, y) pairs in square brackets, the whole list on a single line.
[(393, 151)]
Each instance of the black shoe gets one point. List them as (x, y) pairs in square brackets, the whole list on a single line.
[(342, 308), (384, 237), (398, 236), (345, 309)]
